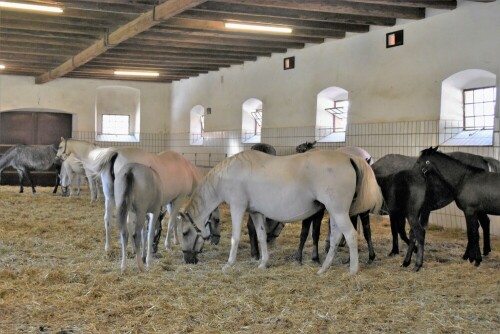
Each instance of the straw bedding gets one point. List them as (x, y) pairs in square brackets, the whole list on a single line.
[(56, 278)]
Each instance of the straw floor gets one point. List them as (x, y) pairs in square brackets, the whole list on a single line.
[(56, 278)]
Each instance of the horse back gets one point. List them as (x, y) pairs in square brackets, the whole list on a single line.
[(480, 193)]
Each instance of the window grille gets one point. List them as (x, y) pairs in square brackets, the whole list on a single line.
[(479, 108)]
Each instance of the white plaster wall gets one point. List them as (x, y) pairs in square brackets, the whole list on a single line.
[(77, 96), (385, 85)]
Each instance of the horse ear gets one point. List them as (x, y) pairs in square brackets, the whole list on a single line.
[(313, 143), (62, 138)]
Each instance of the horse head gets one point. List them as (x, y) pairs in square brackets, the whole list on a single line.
[(423, 163), (192, 238), (62, 153), (304, 147)]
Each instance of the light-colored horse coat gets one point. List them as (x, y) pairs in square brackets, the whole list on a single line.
[(72, 172), (286, 189), (85, 152), (178, 175), (139, 189)]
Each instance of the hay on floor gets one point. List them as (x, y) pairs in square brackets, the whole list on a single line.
[(56, 278)]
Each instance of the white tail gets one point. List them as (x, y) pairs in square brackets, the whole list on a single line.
[(368, 193)]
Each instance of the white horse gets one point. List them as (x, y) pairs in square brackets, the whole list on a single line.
[(72, 172), (286, 189), (141, 190), (179, 176), (85, 152)]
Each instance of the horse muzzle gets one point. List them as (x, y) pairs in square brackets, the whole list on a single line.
[(214, 239), (190, 257)]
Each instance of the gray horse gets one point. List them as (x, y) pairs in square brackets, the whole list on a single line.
[(26, 158)]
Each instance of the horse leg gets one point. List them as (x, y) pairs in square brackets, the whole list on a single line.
[(172, 220), (410, 250), (365, 221), (153, 221), (58, 180), (136, 219), (396, 219), (306, 225), (259, 220), (21, 175), (156, 240), (252, 235), (418, 240), (122, 224), (237, 213), (473, 225), (484, 220), (109, 203), (316, 229), (28, 176), (341, 225), (93, 181)]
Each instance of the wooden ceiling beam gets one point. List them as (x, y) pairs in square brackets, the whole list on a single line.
[(153, 41), (300, 28), (227, 8), (293, 23), (53, 27), (142, 23), (229, 35), (339, 6), (437, 4), (188, 51), (221, 41)]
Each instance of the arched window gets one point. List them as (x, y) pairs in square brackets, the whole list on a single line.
[(117, 112), (467, 115), (197, 125), (251, 120), (332, 108)]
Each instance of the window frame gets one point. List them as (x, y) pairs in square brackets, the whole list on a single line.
[(474, 104)]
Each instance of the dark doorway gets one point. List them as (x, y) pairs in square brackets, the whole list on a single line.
[(32, 128)]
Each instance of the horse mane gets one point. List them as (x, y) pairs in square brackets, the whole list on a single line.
[(208, 185), (433, 151)]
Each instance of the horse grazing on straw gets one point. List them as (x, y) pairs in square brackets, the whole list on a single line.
[(26, 158), (475, 191), (72, 172), (287, 188), (176, 172)]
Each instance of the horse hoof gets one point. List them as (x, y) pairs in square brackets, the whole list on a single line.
[(226, 268), (316, 260), (416, 268), (405, 264), (393, 253)]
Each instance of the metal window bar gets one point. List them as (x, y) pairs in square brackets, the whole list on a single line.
[(475, 106), (257, 116)]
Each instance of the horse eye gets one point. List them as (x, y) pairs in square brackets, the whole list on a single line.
[(427, 162)]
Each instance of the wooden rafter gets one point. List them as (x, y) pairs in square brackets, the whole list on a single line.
[(142, 23)]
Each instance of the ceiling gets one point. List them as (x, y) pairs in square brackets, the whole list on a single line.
[(178, 38)]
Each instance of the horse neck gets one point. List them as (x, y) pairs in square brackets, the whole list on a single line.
[(203, 201), (80, 149), (451, 171)]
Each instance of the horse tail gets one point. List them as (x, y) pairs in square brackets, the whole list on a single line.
[(101, 161), (112, 166), (368, 196), (7, 157), (123, 197)]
